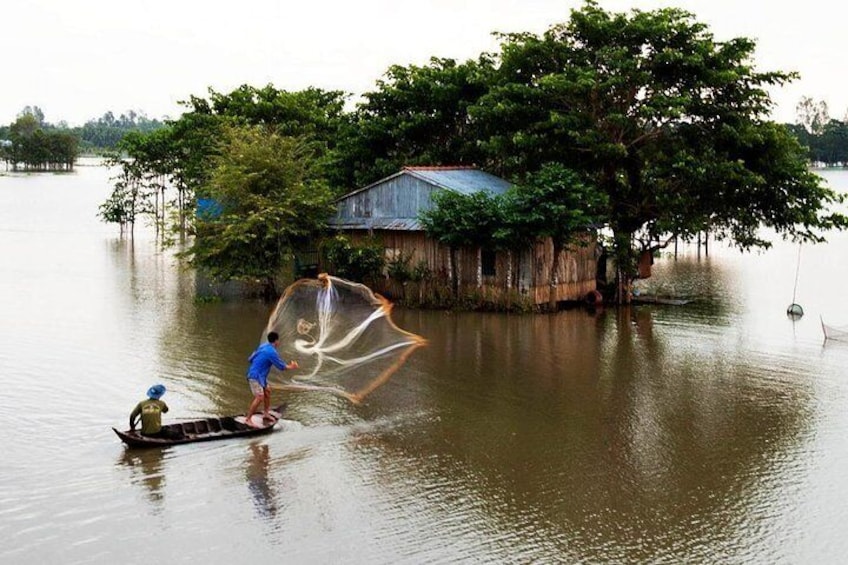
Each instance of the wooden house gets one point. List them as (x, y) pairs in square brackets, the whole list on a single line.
[(388, 211)]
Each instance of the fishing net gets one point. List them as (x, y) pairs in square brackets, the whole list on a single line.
[(342, 336)]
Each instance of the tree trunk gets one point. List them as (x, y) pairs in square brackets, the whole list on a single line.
[(625, 265)]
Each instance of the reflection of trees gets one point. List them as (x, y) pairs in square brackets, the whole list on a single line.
[(203, 347), (611, 434), (709, 283), (146, 468), (206, 347)]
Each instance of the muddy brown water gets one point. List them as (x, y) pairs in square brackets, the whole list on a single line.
[(713, 432)]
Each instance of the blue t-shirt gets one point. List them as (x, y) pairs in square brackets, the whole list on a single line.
[(261, 361)]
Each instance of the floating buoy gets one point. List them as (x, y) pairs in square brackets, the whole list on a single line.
[(795, 310)]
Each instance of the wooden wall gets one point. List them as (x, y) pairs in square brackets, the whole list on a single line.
[(524, 276)]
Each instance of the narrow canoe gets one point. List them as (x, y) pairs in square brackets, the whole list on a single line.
[(203, 429)]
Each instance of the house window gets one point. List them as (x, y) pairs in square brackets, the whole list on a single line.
[(487, 260)]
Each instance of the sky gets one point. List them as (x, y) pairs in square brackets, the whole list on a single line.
[(77, 59)]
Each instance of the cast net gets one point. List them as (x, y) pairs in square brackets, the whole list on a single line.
[(342, 336)]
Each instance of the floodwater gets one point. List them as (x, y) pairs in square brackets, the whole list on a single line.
[(713, 432)]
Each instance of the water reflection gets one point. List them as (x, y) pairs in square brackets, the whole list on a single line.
[(615, 428), (712, 432), (261, 490), (146, 468)]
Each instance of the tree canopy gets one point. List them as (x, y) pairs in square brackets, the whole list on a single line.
[(641, 124), (418, 115), (667, 123), (35, 146), (271, 198)]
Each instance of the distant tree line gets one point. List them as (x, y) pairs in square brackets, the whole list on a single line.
[(106, 131), (32, 143), (825, 138), (640, 125)]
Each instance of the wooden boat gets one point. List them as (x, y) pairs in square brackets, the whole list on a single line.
[(204, 429), (836, 333)]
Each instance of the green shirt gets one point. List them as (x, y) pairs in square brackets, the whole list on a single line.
[(150, 411)]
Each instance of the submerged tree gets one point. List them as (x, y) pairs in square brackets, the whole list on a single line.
[(37, 148), (269, 198), (666, 122), (129, 199)]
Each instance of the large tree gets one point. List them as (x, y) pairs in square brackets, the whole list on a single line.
[(417, 115), (270, 198), (669, 124), (313, 114), (183, 154)]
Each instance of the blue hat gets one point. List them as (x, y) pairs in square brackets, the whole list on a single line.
[(156, 391)]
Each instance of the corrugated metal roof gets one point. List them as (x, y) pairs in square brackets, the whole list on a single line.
[(390, 208), (465, 180)]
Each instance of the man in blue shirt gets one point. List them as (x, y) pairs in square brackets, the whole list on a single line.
[(261, 362)]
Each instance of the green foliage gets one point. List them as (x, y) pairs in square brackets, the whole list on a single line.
[(553, 202), (462, 220), (37, 148), (107, 131), (184, 153), (825, 139), (208, 299), (129, 198), (401, 270), (363, 263), (313, 114), (417, 115), (272, 201), (398, 268), (665, 122)]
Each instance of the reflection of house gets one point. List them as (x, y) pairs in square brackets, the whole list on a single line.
[(388, 210)]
